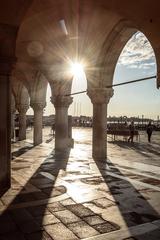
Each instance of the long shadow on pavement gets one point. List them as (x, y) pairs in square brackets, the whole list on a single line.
[(140, 148), (24, 217), (134, 208)]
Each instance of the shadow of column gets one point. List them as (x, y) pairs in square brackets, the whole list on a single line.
[(24, 217), (133, 206)]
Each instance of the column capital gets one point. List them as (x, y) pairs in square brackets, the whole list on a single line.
[(61, 101), (22, 108), (100, 95), (38, 106)]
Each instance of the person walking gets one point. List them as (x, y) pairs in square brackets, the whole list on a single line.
[(149, 131), (131, 129)]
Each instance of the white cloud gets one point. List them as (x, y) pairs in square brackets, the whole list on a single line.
[(138, 53)]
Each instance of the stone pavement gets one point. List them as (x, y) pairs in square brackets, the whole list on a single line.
[(78, 198)]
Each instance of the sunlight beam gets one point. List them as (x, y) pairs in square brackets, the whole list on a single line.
[(77, 69)]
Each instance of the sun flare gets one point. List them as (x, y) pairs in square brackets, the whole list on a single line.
[(77, 69)]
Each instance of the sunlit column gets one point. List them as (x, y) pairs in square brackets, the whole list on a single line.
[(71, 140), (100, 98), (61, 104), (22, 109), (38, 121)]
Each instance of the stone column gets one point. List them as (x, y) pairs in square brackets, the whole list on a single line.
[(7, 59), (12, 119), (38, 121), (22, 109), (5, 129), (100, 98), (70, 126), (71, 140), (61, 104)]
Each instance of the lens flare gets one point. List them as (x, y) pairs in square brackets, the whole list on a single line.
[(77, 69)]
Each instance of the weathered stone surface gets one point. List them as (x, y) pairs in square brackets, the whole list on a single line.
[(67, 202), (67, 217), (46, 219), (113, 196), (39, 195), (103, 203), (106, 227), (130, 238), (29, 227), (153, 235), (80, 210), (42, 235), (82, 229), (6, 224), (59, 231), (38, 210), (55, 207), (13, 236), (21, 215), (94, 220)]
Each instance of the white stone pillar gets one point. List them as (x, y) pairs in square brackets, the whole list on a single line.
[(100, 98), (38, 121), (61, 104), (22, 109), (70, 139)]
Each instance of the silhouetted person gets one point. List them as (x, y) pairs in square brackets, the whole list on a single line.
[(149, 131), (131, 129), (53, 129)]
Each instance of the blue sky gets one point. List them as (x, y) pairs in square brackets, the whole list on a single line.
[(137, 60)]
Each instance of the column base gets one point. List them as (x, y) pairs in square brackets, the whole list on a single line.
[(71, 143), (99, 158), (4, 186)]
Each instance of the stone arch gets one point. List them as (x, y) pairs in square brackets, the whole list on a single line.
[(110, 52), (20, 92), (38, 102), (157, 56), (38, 87), (60, 81), (21, 96), (19, 77)]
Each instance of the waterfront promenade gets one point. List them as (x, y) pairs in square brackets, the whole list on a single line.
[(77, 198)]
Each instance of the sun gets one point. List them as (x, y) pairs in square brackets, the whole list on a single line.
[(77, 69)]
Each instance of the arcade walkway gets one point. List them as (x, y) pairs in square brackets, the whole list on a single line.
[(77, 198)]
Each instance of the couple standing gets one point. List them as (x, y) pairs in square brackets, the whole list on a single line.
[(149, 131)]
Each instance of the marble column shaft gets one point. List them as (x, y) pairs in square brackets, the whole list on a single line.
[(12, 120), (61, 104), (100, 98), (22, 109), (38, 122), (7, 60)]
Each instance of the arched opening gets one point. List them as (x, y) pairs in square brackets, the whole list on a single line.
[(81, 103), (47, 111), (81, 108), (136, 101), (125, 159), (105, 200)]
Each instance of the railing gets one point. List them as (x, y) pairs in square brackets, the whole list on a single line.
[(122, 132)]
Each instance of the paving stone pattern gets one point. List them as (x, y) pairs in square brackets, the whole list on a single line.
[(65, 199)]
